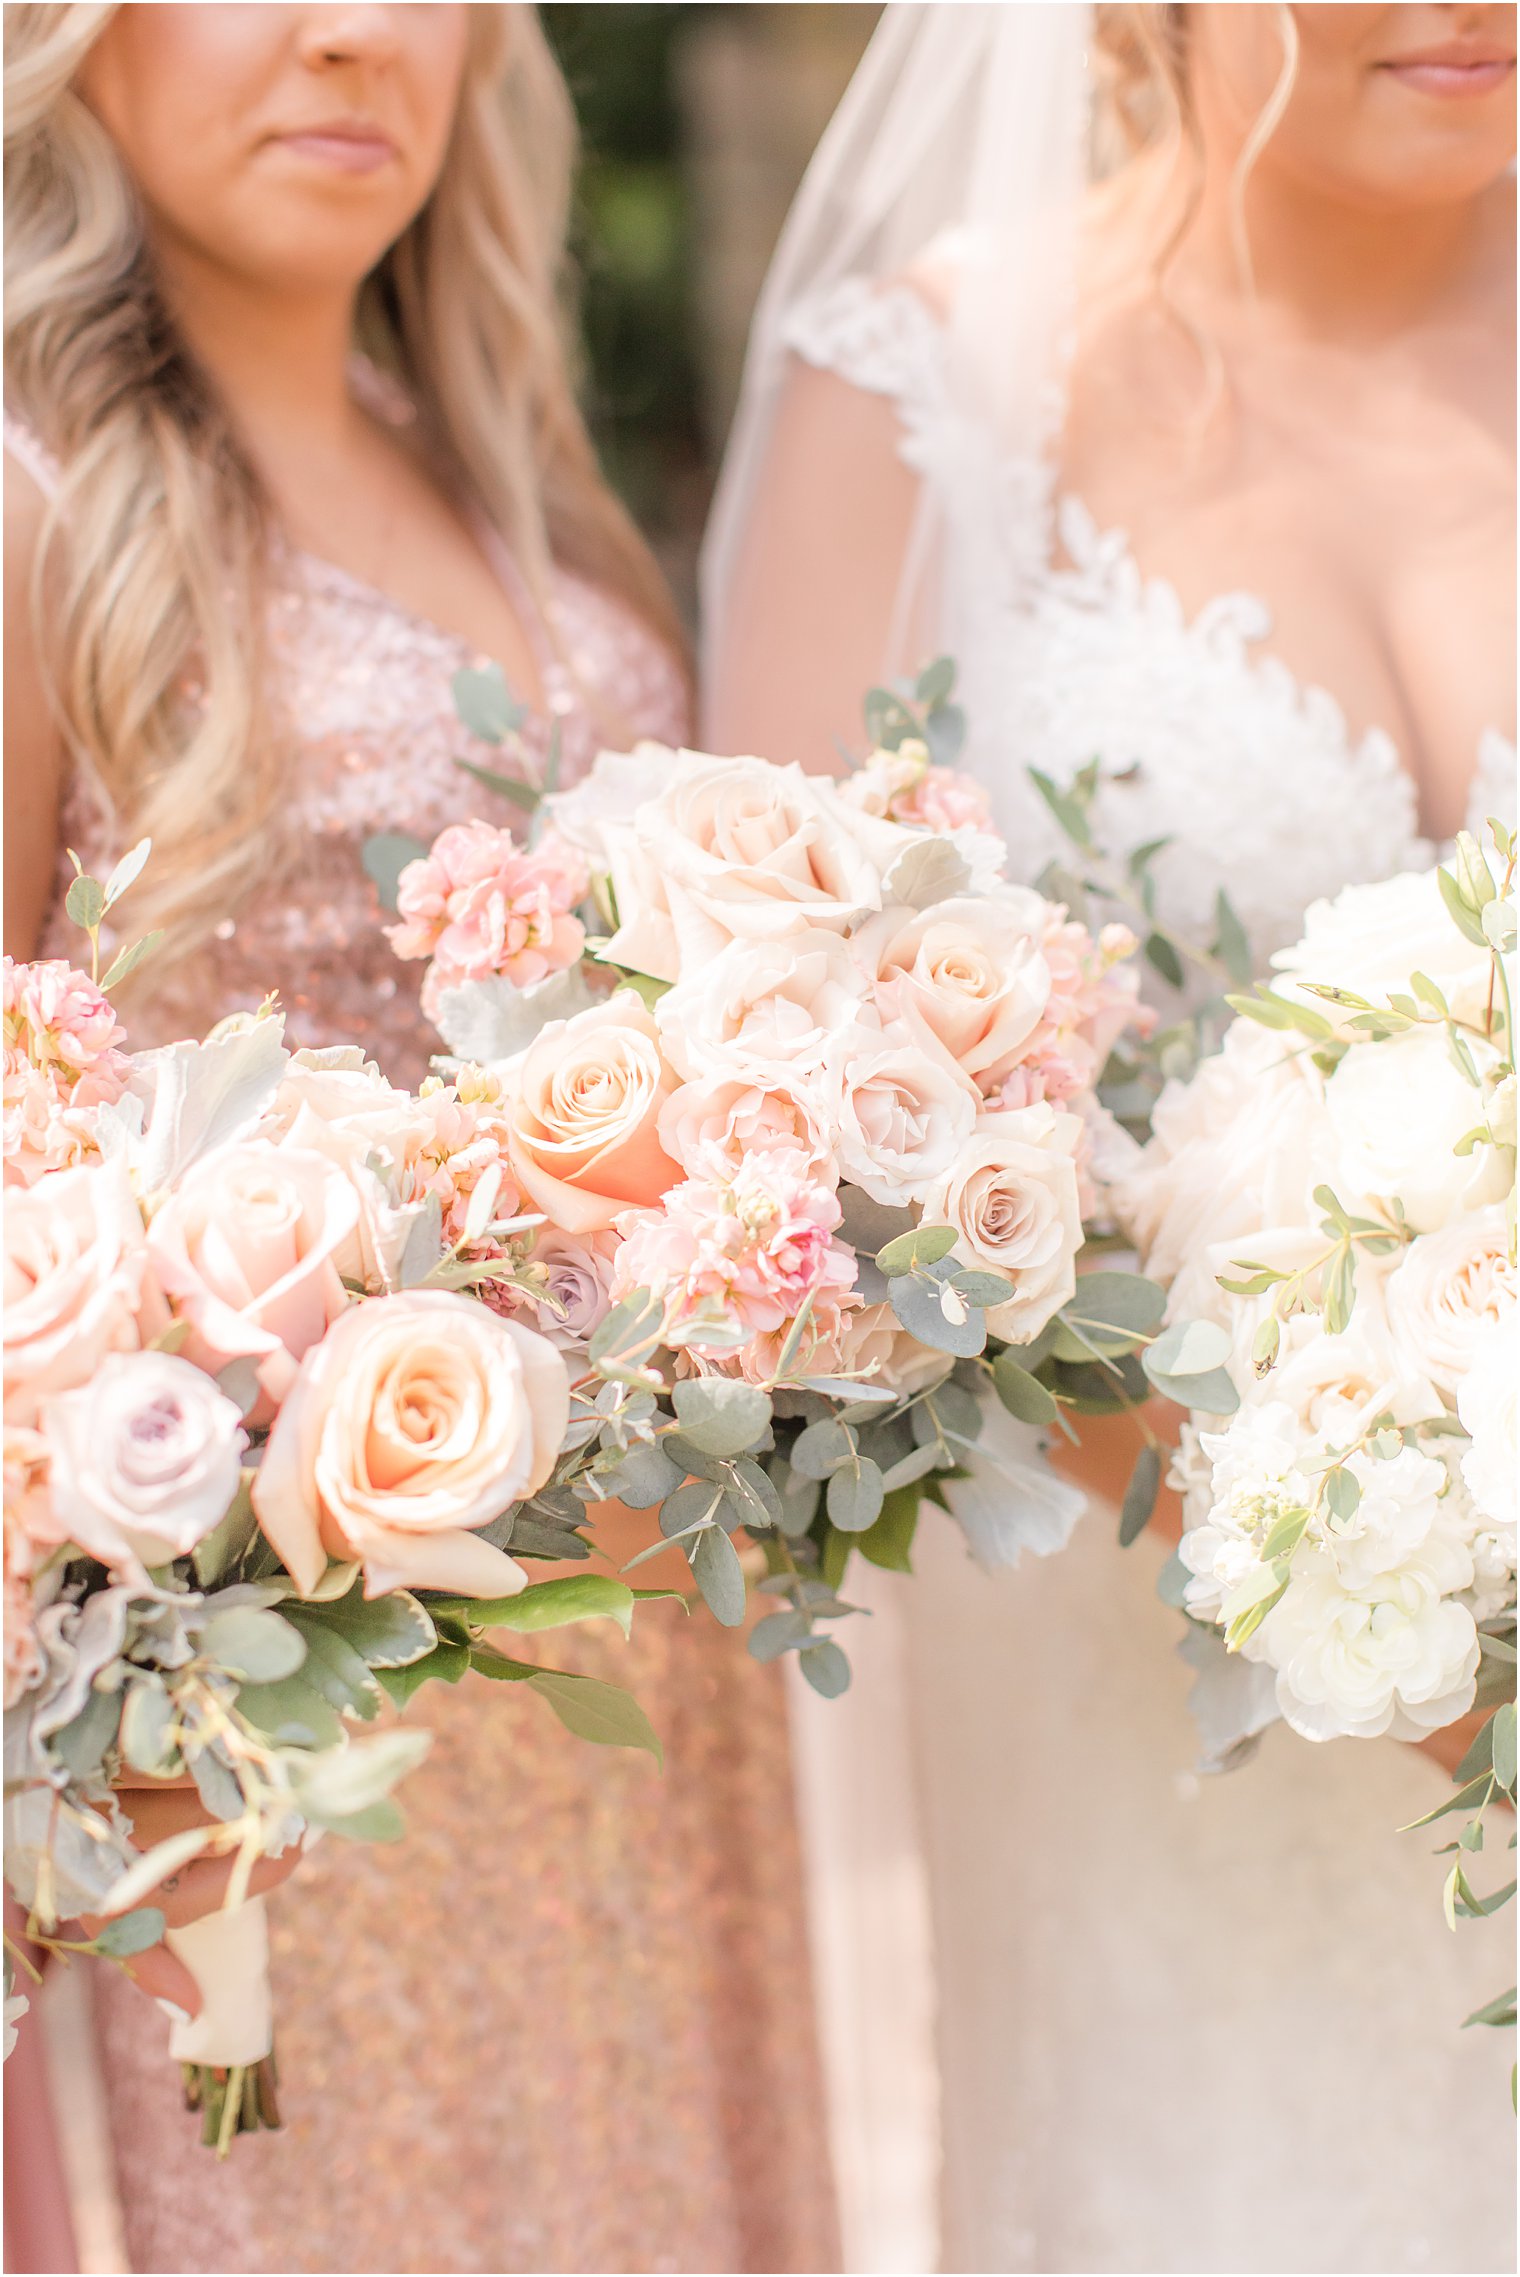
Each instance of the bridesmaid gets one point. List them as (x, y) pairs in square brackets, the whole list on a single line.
[(566, 2025)]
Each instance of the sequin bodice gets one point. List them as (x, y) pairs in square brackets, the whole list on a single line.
[(365, 688)]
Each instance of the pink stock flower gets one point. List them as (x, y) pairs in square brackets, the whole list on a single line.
[(741, 1249), (481, 905), (1094, 997), (61, 1061), (904, 786), (27, 1535), (462, 1140)]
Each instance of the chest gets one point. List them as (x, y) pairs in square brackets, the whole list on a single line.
[(1370, 512)]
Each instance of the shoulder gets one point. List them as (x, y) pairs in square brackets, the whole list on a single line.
[(884, 339)]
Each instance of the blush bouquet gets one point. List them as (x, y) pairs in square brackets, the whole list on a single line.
[(804, 1092), (270, 1465)]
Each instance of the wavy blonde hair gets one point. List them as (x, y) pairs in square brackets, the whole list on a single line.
[(151, 571), (1145, 100)]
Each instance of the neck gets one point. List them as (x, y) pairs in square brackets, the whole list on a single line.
[(1328, 269), (278, 360)]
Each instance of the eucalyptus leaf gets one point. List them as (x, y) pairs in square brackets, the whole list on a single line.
[(720, 1416), (85, 902), (820, 1450), (130, 1932), (354, 1778), (778, 1633), (385, 856), (825, 1667), (486, 704), (1140, 1496), (1503, 1746), (920, 1305), (1022, 1394), (854, 1497), (719, 1576), (924, 1245), (643, 1478)]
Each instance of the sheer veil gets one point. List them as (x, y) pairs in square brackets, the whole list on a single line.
[(961, 146), (957, 159)]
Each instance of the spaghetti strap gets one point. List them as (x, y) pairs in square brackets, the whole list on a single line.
[(26, 447)]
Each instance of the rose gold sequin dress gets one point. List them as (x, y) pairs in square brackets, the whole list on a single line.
[(566, 2024)]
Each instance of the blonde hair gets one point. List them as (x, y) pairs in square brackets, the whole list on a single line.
[(1145, 101), (153, 557)]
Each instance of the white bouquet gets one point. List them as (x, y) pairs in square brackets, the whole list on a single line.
[(1331, 1202)]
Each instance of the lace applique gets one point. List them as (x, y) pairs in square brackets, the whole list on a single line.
[(1068, 652)]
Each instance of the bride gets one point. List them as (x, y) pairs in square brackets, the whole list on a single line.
[(1158, 363)]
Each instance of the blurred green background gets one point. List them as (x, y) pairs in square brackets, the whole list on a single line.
[(697, 118), (633, 250)]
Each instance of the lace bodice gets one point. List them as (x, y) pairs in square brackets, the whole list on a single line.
[(366, 686), (1068, 652)]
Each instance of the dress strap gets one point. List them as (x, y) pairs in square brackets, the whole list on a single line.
[(26, 447)]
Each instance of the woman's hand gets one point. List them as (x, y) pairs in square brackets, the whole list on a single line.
[(157, 1809)]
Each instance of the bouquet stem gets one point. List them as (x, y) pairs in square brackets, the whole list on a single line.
[(235, 2099)]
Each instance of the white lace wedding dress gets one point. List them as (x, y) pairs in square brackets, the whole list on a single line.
[(1170, 2023)]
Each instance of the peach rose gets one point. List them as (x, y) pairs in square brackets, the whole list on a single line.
[(76, 1282), (246, 1248), (973, 971), (417, 1419), (1012, 1199), (584, 1101)]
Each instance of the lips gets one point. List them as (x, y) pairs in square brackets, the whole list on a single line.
[(1455, 69), (347, 145)]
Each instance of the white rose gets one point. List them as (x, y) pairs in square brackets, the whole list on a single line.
[(1011, 1195), (1231, 1165), (1337, 1384), (738, 849), (338, 1105), (1371, 938), (246, 1247), (1486, 1407), (764, 1008), (971, 969), (618, 784), (76, 1282), (144, 1460), (900, 1108), (1447, 1291), (1398, 1110)]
